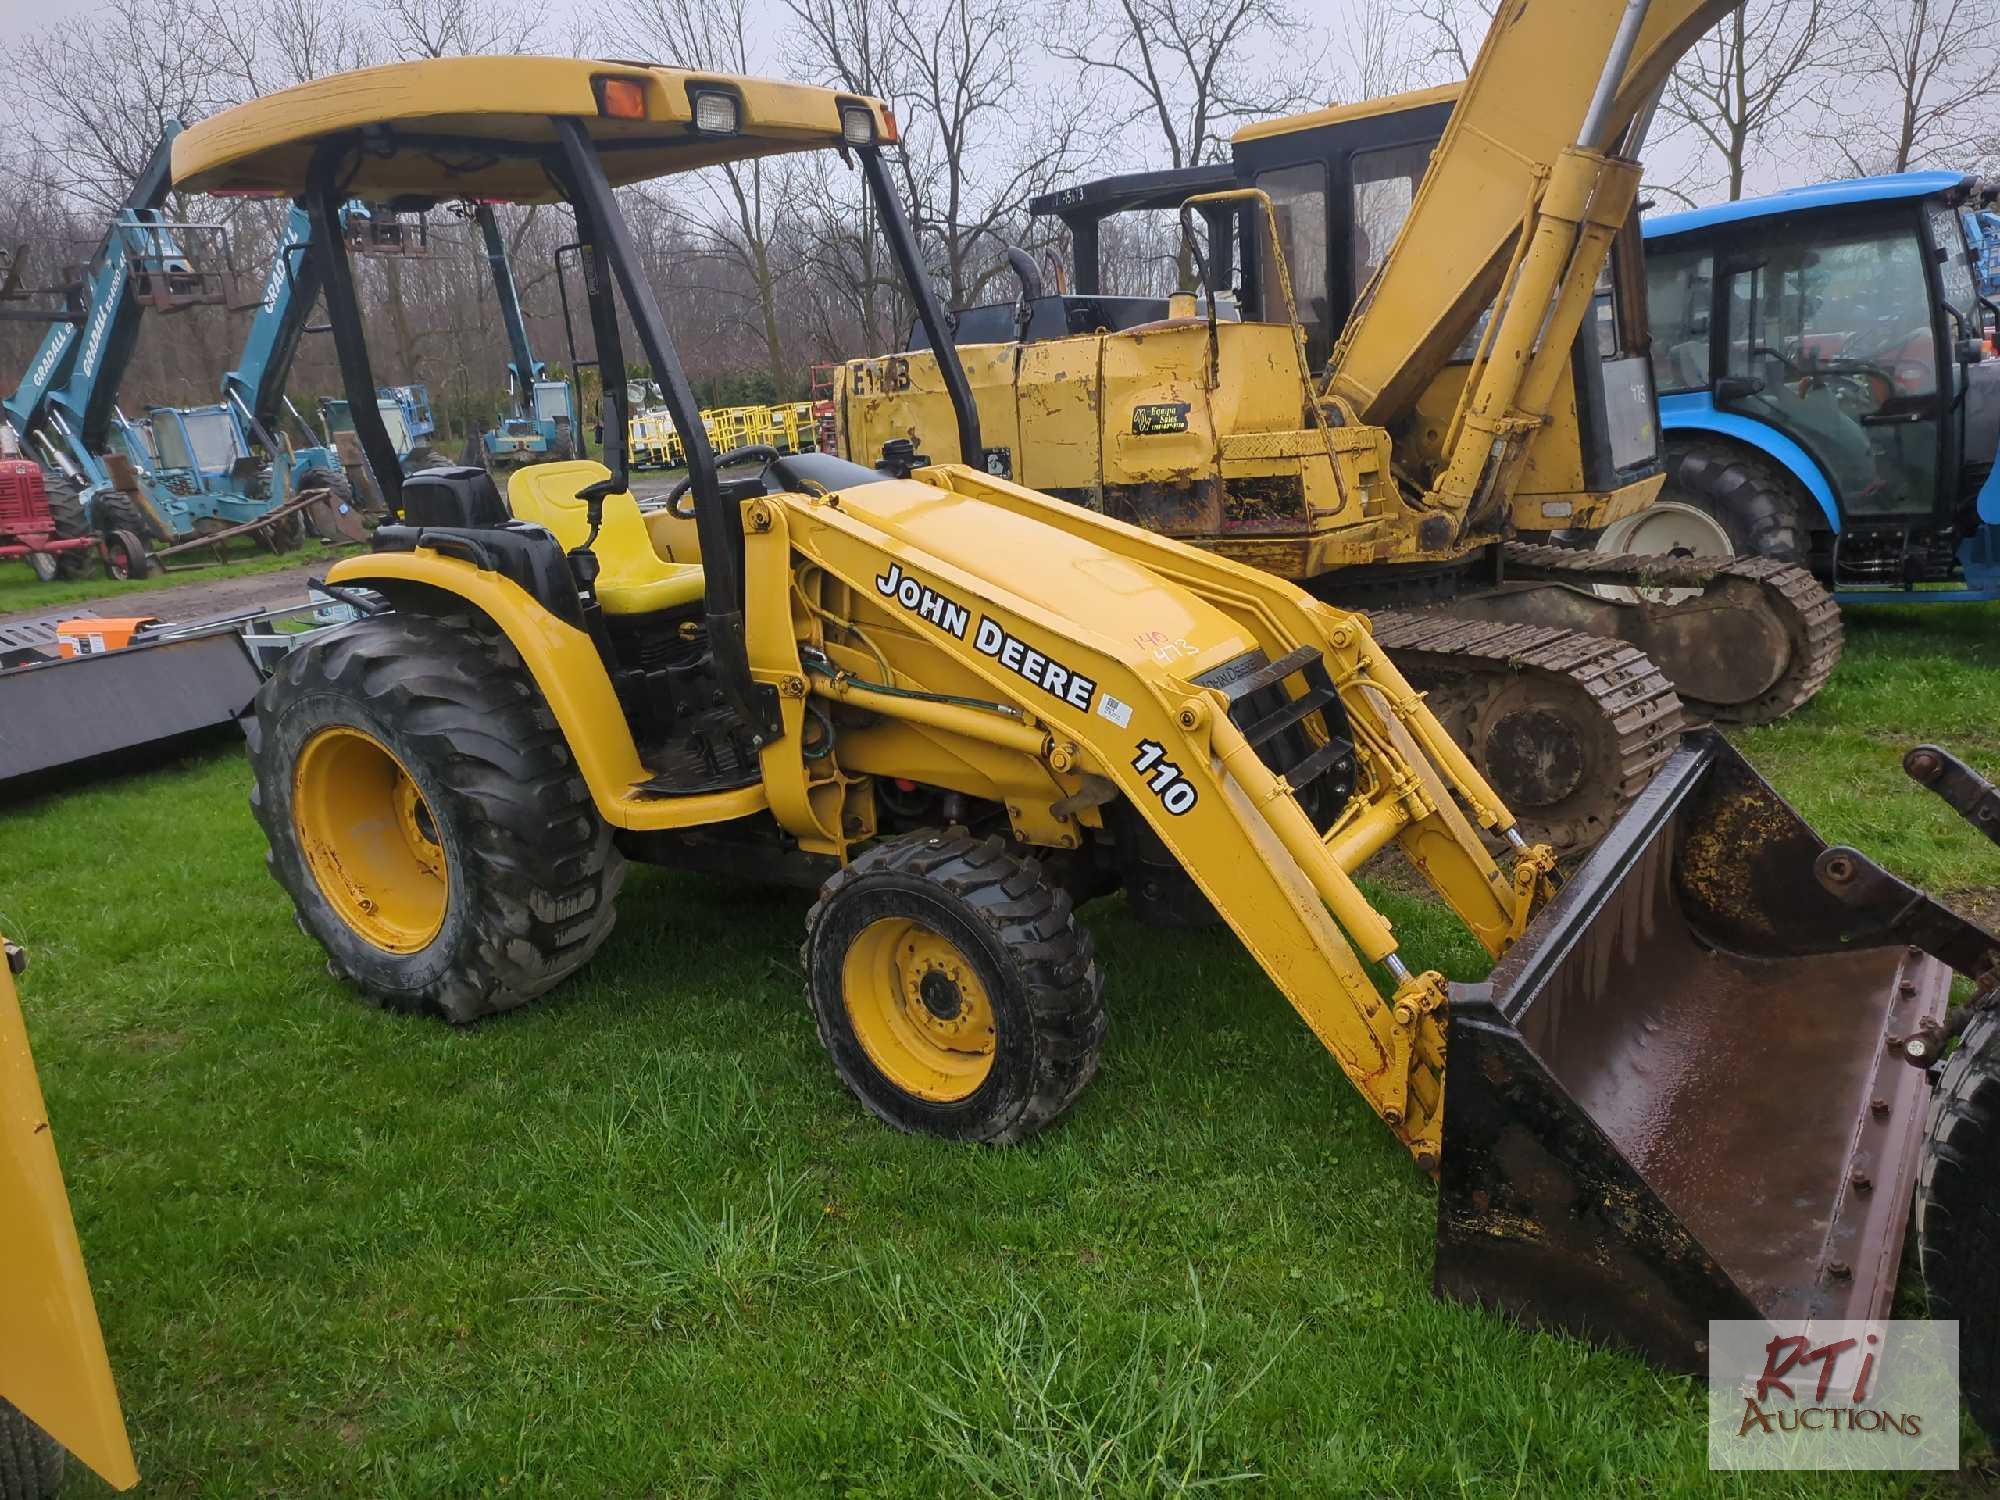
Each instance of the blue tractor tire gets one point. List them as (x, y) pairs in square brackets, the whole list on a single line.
[(1760, 505)]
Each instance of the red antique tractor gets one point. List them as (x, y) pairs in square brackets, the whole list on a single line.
[(54, 535)]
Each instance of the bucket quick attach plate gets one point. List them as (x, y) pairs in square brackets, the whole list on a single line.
[(1678, 1098)]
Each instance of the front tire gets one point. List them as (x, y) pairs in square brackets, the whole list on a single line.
[(953, 988), (1751, 497), (1958, 1212), (426, 816), (126, 557)]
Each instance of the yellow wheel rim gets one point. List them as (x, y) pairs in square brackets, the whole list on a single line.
[(369, 839), (918, 1009)]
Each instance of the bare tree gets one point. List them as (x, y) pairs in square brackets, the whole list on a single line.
[(1918, 74), (1739, 86), (1191, 69), (859, 300), (455, 28), (717, 35), (1447, 37), (982, 141), (94, 92)]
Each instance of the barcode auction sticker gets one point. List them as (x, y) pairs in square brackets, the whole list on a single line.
[(1833, 1394)]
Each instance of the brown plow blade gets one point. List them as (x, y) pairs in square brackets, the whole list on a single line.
[(1683, 1095)]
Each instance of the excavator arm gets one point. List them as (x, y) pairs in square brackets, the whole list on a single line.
[(1515, 214)]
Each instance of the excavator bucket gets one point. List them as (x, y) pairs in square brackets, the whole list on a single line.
[(1684, 1095)]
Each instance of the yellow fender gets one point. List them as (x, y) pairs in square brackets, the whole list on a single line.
[(52, 1360), (565, 666)]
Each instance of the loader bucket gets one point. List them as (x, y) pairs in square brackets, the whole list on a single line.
[(1679, 1097)]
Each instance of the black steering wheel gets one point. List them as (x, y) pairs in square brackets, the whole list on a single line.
[(734, 456)]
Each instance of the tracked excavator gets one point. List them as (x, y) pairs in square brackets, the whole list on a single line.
[(1430, 372), (957, 707)]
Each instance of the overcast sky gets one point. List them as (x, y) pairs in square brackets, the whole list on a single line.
[(1664, 163)]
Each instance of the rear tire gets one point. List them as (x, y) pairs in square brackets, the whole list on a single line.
[(1958, 1212), (1753, 498), (31, 1462), (115, 512), (496, 879), (953, 988), (67, 514), (336, 484)]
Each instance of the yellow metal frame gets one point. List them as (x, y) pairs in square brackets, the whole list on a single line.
[(830, 624), (52, 1360)]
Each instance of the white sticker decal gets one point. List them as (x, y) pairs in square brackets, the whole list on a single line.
[(1117, 710)]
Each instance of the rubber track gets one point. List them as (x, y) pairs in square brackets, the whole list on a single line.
[(1805, 611), (1631, 692)]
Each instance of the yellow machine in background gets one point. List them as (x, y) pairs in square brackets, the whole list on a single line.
[(958, 708), (1429, 353), (789, 427), (56, 1390)]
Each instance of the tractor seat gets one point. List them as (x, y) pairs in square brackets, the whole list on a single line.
[(632, 578)]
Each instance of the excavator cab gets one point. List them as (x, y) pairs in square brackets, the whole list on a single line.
[(958, 708)]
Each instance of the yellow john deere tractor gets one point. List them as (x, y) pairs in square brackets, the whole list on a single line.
[(1426, 360), (56, 1390), (957, 707)]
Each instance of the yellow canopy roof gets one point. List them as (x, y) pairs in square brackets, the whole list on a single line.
[(466, 127)]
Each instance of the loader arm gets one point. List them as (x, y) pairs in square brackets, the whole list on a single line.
[(1099, 702), (1516, 213)]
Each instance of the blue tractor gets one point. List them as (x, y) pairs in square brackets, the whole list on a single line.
[(1982, 235), (541, 422), (406, 414), (1825, 389)]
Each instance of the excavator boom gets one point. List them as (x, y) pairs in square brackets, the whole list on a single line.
[(1539, 80)]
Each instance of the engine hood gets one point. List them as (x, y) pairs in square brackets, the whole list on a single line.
[(1084, 590)]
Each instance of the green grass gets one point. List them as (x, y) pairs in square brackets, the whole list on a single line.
[(21, 590), (636, 1239)]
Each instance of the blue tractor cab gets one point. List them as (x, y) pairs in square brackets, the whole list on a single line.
[(1825, 388), (199, 471), (406, 415)]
